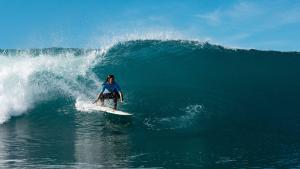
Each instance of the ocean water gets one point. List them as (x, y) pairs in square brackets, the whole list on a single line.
[(195, 105)]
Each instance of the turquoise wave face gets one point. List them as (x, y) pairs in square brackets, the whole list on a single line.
[(184, 84)]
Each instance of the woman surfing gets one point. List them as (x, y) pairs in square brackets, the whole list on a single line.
[(110, 90)]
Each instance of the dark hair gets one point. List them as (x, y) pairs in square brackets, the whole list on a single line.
[(110, 76)]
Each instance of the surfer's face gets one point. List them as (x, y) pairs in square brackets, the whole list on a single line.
[(110, 80)]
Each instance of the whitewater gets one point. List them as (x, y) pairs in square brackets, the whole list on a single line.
[(30, 76)]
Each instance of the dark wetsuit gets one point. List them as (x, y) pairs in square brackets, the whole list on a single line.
[(113, 92)]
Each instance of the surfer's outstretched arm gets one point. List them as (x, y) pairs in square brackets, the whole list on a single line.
[(96, 99), (100, 94)]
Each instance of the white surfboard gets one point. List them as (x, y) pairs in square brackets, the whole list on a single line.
[(110, 110)]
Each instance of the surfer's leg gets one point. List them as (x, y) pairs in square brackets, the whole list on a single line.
[(115, 97), (106, 96), (115, 100)]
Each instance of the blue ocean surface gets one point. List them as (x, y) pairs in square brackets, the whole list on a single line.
[(194, 105)]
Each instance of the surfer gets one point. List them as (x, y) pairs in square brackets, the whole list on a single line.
[(110, 90)]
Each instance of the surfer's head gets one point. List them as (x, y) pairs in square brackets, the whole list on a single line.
[(110, 79)]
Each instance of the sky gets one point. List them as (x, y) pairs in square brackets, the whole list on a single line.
[(261, 24)]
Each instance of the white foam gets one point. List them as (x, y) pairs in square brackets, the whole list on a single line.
[(25, 79), (84, 105)]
